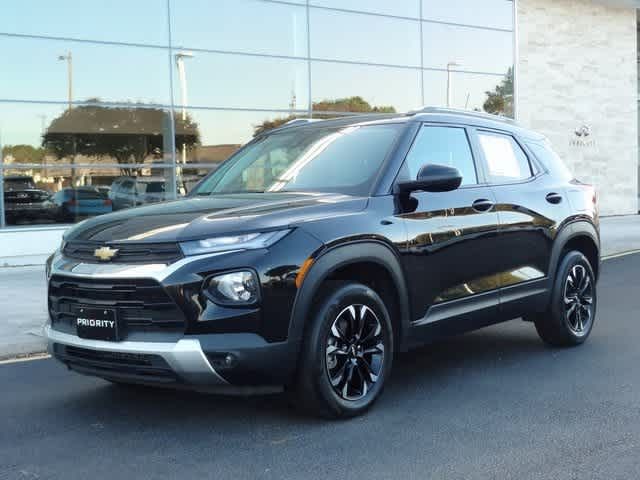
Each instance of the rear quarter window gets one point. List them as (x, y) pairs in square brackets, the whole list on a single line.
[(550, 160)]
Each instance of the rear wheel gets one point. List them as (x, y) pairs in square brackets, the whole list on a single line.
[(347, 353), (571, 314)]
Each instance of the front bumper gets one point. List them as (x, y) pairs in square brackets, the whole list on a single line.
[(195, 363), (170, 334)]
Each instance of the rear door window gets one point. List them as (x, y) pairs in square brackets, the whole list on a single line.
[(505, 159), (155, 187)]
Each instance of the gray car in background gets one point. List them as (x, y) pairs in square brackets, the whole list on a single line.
[(127, 192)]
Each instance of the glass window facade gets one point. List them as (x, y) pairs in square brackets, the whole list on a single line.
[(101, 110)]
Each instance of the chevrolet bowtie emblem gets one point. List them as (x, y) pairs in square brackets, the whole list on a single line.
[(105, 253)]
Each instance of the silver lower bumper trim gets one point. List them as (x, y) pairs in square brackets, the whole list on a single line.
[(185, 356)]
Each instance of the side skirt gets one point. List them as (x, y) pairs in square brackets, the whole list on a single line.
[(472, 313)]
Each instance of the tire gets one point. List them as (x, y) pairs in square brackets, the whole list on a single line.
[(571, 315), (347, 352)]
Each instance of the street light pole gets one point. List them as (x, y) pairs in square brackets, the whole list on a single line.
[(182, 76), (449, 92), (69, 58)]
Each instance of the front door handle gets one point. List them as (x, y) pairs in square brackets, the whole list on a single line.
[(482, 205), (554, 198)]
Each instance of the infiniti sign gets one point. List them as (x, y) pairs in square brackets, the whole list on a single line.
[(583, 131), (581, 139)]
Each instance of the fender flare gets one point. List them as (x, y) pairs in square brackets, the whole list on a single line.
[(579, 228), (334, 258)]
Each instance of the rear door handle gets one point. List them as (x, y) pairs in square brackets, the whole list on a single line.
[(554, 198), (482, 205)]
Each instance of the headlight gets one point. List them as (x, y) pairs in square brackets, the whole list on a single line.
[(247, 241), (47, 266), (233, 288)]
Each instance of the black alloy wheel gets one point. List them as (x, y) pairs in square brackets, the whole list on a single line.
[(578, 300), (347, 352), (355, 352), (572, 311)]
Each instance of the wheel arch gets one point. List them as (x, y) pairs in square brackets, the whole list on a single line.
[(582, 236), (370, 262)]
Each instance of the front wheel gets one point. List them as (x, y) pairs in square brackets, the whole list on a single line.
[(347, 352), (571, 315)]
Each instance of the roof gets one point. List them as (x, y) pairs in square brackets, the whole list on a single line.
[(143, 178), (433, 114)]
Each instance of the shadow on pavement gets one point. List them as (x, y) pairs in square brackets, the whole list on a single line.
[(495, 351)]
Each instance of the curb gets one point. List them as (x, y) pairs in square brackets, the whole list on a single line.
[(621, 254), (24, 357)]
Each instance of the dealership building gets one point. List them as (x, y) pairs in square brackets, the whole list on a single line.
[(108, 105)]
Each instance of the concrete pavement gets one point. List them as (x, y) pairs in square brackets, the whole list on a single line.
[(620, 234), (23, 308), (494, 404)]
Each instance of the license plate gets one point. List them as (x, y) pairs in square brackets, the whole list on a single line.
[(97, 323)]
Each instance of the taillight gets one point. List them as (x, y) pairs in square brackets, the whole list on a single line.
[(72, 202), (107, 202)]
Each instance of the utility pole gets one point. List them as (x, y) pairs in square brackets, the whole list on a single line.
[(43, 121)]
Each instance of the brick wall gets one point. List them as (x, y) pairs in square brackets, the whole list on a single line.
[(578, 66)]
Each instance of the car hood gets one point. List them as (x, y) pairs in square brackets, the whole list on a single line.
[(201, 217)]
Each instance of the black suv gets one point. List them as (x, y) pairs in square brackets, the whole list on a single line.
[(319, 250), (24, 201)]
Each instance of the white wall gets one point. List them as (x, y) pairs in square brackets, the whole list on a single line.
[(20, 246), (578, 66)]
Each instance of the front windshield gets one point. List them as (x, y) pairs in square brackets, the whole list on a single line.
[(344, 160), (13, 184)]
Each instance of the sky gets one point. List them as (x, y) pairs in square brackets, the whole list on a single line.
[(141, 73)]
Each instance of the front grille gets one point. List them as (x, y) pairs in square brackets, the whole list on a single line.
[(141, 304), (24, 197), (127, 252), (127, 366)]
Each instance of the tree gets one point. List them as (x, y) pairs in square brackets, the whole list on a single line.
[(23, 153), (500, 101), (350, 104), (354, 104), (127, 134)]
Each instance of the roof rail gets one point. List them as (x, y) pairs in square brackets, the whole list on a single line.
[(291, 123), (297, 121), (459, 111)]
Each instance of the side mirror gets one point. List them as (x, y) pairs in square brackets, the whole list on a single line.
[(433, 178)]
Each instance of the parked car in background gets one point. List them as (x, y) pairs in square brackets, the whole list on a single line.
[(72, 203), (103, 188), (24, 201), (127, 192)]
